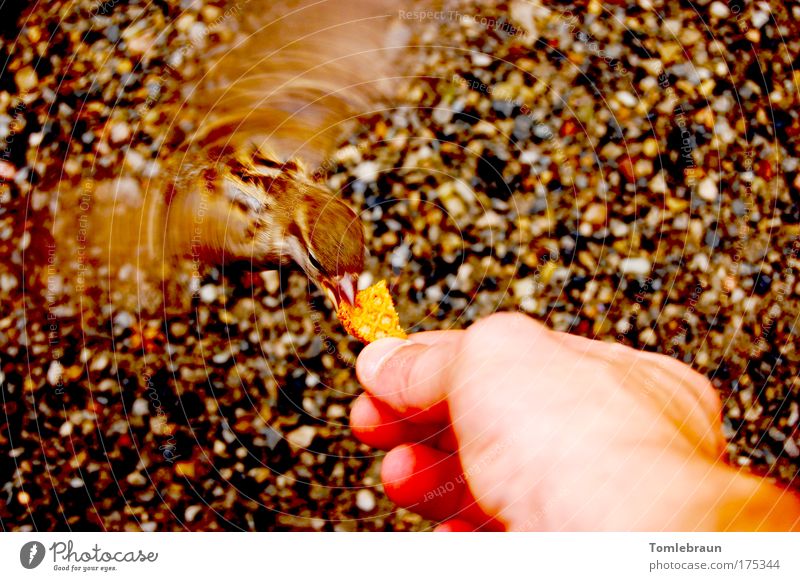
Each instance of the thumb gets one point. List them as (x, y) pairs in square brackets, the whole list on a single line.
[(409, 376)]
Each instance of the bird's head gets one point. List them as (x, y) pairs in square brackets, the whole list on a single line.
[(298, 219), (327, 241)]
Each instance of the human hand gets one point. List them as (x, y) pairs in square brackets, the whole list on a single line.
[(510, 426)]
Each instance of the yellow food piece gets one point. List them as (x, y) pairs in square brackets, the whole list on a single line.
[(373, 316)]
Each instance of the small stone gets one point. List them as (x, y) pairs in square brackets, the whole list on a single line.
[(140, 407), (627, 99), (26, 79), (442, 115), (367, 171), (209, 293), (336, 411), (707, 190), (120, 132), (595, 214), (23, 497), (638, 266), (480, 59), (626, 169), (791, 449), (524, 287), (365, 500), (7, 171), (191, 512), (759, 18), (650, 147), (719, 10), (123, 319), (65, 429), (302, 436), (776, 434), (753, 35), (55, 373)]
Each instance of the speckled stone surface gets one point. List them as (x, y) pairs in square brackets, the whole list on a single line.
[(623, 171)]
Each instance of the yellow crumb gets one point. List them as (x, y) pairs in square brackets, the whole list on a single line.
[(373, 316)]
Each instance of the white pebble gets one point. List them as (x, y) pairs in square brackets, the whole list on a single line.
[(140, 407), (208, 293), (480, 59), (639, 266), (192, 512), (719, 10), (302, 436), (790, 446), (707, 190), (367, 171), (627, 99), (120, 132), (524, 287), (7, 282), (759, 18), (272, 281), (55, 373), (365, 500)]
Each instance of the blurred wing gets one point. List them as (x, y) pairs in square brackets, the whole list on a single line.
[(298, 72)]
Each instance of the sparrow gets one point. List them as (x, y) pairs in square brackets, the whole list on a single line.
[(236, 188), (244, 205), (281, 98)]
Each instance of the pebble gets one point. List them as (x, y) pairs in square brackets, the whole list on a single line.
[(367, 171), (627, 99), (595, 214), (209, 293), (365, 500), (759, 18), (26, 79), (638, 266), (719, 10), (191, 512), (791, 449), (302, 436), (120, 132), (480, 59), (650, 147), (707, 189), (776, 434), (336, 411), (55, 373), (140, 407)]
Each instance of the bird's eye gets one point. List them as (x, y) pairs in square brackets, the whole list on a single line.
[(314, 262)]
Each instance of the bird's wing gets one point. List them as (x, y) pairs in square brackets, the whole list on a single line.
[(298, 72)]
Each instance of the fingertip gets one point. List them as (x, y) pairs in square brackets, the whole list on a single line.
[(374, 423), (423, 479)]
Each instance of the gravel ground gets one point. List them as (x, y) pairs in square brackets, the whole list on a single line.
[(622, 172)]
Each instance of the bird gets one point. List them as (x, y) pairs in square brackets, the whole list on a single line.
[(247, 206), (271, 105)]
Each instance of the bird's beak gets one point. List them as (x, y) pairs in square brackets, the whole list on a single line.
[(341, 289)]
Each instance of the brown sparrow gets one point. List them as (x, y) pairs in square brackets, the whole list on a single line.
[(234, 190), (246, 206)]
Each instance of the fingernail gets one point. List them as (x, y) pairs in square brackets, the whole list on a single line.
[(376, 354)]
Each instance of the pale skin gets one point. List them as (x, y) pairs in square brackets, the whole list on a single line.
[(511, 426)]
